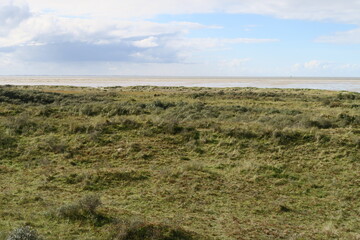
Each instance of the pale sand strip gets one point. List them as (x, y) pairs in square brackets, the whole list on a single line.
[(347, 84)]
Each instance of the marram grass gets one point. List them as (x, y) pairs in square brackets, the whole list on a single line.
[(179, 163)]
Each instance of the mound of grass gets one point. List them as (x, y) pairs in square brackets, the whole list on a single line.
[(84, 210), (105, 179), (151, 231)]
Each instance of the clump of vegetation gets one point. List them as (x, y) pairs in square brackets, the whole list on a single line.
[(6, 141), (85, 209), (104, 179), (24, 233), (80, 210), (151, 231)]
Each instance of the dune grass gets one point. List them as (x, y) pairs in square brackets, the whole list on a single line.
[(179, 163)]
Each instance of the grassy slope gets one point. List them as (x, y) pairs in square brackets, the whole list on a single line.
[(224, 163)]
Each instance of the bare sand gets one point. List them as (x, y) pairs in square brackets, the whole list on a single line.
[(345, 84)]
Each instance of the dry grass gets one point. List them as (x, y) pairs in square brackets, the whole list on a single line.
[(217, 163)]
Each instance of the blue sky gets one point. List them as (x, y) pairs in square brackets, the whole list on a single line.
[(180, 38), (296, 40)]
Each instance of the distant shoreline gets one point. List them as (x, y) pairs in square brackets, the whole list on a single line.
[(325, 83)]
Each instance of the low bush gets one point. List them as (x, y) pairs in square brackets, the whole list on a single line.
[(170, 127), (348, 120), (53, 143), (21, 96), (21, 124), (163, 105), (320, 123), (6, 141), (105, 179), (24, 233), (128, 124), (286, 137), (110, 109), (151, 231), (83, 209), (241, 133)]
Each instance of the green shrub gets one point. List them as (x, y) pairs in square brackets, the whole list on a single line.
[(90, 109), (286, 137), (46, 111), (346, 119), (6, 141), (135, 147), (190, 133), (163, 105), (110, 109), (80, 210), (85, 210), (150, 231), (21, 96), (348, 96), (105, 179), (241, 133), (320, 123), (128, 124), (76, 127), (21, 124), (52, 143), (171, 127)]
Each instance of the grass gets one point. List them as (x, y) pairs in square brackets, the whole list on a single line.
[(179, 163)]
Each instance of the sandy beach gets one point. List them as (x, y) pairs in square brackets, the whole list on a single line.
[(342, 84)]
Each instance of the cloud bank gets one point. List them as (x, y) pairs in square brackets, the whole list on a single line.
[(42, 36), (335, 10), (83, 31)]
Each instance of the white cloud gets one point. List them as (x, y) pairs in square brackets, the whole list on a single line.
[(11, 16), (348, 37), (313, 65), (48, 37), (62, 31), (350, 66), (234, 63), (147, 42), (48, 28), (316, 67), (212, 43), (344, 11)]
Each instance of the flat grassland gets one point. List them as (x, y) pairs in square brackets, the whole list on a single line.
[(179, 163)]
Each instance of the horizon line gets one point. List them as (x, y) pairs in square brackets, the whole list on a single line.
[(175, 76)]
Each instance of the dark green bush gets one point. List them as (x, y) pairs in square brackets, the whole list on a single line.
[(105, 179), (320, 123), (6, 141), (150, 231), (163, 105), (170, 127), (21, 124), (346, 119), (128, 124), (292, 136), (53, 143), (22, 96), (83, 209), (241, 133)]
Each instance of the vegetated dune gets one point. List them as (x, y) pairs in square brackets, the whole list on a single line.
[(178, 163)]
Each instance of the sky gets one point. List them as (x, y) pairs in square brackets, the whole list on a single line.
[(180, 37)]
